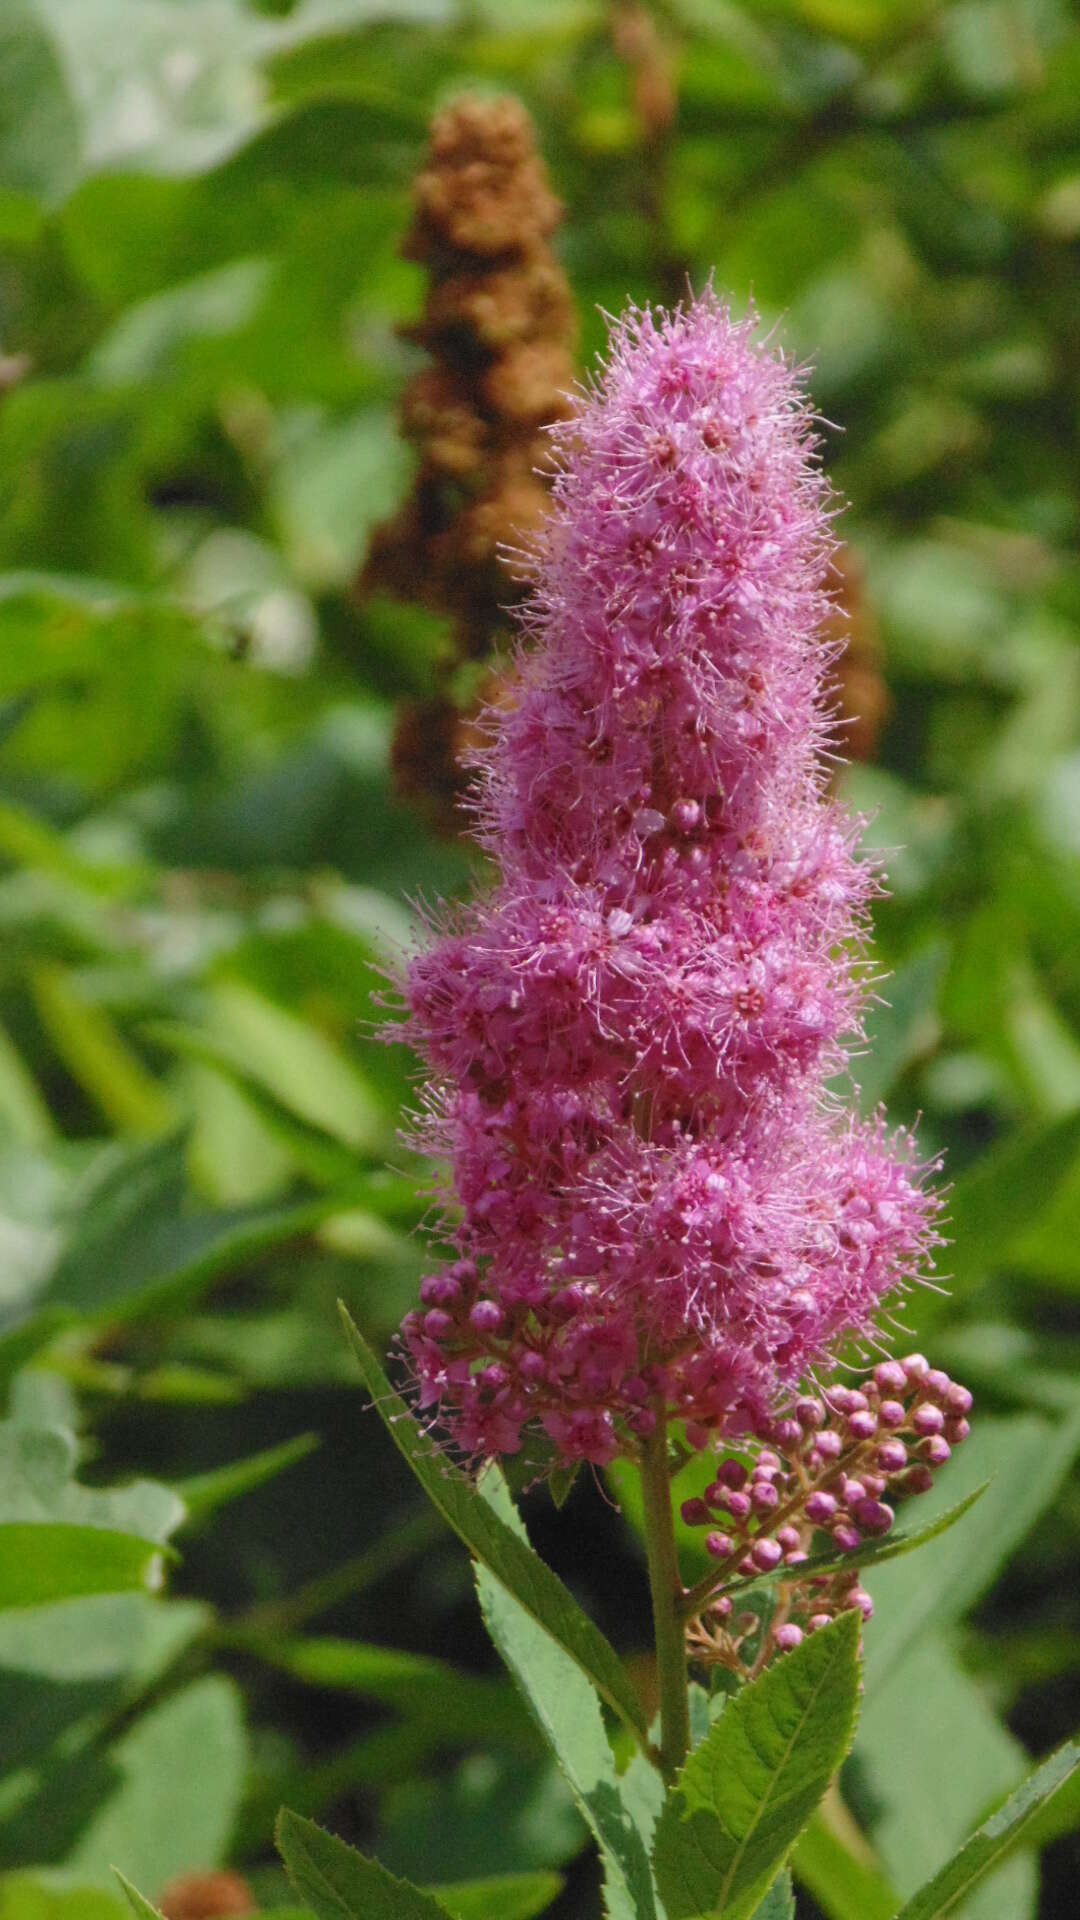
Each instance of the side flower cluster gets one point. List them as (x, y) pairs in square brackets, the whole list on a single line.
[(828, 1483), (659, 1211)]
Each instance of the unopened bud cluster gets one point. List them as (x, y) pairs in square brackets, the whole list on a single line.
[(827, 1483)]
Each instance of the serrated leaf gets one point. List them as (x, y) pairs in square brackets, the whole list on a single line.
[(745, 1794), (491, 1541), (568, 1712), (779, 1902), (340, 1884), (986, 1849)]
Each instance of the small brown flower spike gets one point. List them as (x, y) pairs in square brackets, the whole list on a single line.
[(498, 324), (207, 1896)]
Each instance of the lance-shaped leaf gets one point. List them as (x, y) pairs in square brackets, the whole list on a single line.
[(986, 1849), (873, 1552), (340, 1884), (491, 1541), (746, 1793), (140, 1907), (568, 1712)]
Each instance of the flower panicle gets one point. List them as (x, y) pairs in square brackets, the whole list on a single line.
[(664, 1213)]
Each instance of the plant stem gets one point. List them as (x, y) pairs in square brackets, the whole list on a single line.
[(665, 1587)]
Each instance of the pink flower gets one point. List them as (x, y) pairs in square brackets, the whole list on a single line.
[(661, 1208)]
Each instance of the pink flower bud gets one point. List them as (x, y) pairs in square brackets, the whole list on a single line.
[(862, 1424), (731, 1473), (764, 1496), (858, 1597), (817, 1620), (829, 1444), (890, 1376), (927, 1420), (892, 1456), (916, 1367), (789, 1537), (820, 1507), (720, 1545), (958, 1399), (695, 1513), (936, 1450), (892, 1413), (766, 1554), (956, 1430), (486, 1317), (873, 1516), (810, 1414), (788, 1637), (847, 1538)]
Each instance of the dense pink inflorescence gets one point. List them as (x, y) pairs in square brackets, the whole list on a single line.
[(661, 1209)]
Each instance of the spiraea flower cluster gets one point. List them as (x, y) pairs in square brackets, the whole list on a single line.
[(829, 1484), (662, 1213)]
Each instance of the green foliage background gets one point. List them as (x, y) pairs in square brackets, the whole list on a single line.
[(203, 872)]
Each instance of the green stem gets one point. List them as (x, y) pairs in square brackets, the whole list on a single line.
[(665, 1587)]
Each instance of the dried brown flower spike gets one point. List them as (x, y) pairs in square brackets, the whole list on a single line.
[(862, 701), (498, 323), (206, 1896)]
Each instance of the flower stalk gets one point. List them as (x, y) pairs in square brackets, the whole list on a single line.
[(665, 1587)]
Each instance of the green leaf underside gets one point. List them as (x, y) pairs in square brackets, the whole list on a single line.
[(491, 1541), (779, 1902), (745, 1795), (340, 1884), (987, 1847), (568, 1711), (40, 1563)]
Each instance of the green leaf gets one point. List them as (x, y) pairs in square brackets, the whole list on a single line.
[(779, 1902), (204, 1493), (194, 1740), (922, 1795), (874, 1552), (509, 1896), (40, 1563), (746, 1793), (140, 1908), (59, 1539), (988, 1847), (471, 1706), (138, 1242), (47, 1894), (568, 1713), (341, 1884), (993, 1206), (1025, 1461), (490, 1540), (39, 127), (845, 1885)]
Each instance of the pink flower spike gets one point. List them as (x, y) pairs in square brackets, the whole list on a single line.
[(629, 1038)]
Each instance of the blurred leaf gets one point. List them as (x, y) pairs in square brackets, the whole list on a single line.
[(1025, 1461), (924, 1795), (472, 1708), (511, 1896), (96, 1055), (40, 1563), (523, 1574), (845, 1885), (747, 1791), (203, 1493), (158, 1834), (57, 1896), (39, 128), (58, 1538), (993, 1841), (993, 1206), (340, 1883)]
